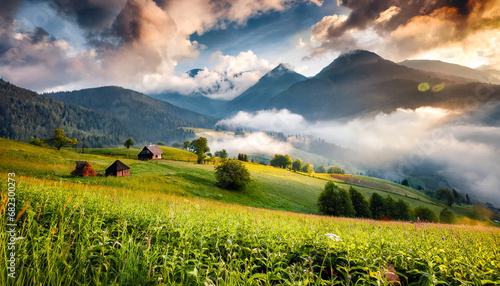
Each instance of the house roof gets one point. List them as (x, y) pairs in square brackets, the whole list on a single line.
[(153, 149), (117, 166)]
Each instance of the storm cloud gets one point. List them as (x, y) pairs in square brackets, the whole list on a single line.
[(402, 29), (132, 43)]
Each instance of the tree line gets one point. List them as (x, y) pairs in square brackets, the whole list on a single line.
[(285, 162), (336, 201)]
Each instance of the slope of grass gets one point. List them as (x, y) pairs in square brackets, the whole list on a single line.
[(81, 234), (272, 188)]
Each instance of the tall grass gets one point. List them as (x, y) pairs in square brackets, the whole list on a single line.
[(75, 234)]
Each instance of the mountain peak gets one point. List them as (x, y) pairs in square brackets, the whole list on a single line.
[(280, 70), (350, 60), (193, 72)]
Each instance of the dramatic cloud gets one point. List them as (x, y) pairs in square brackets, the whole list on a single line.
[(133, 43), (400, 143), (254, 143), (229, 78), (401, 29)]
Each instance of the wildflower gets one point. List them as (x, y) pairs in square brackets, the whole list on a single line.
[(333, 237)]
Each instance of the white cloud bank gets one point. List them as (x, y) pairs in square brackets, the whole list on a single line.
[(405, 140)]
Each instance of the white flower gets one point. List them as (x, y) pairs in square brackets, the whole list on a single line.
[(333, 237)]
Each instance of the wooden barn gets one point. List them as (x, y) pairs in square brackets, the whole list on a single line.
[(83, 169), (151, 152), (118, 169)]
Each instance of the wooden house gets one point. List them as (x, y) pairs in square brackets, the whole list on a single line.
[(151, 152), (118, 169), (83, 169)]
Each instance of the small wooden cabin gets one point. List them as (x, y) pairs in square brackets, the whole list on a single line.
[(118, 169), (83, 169), (151, 152)]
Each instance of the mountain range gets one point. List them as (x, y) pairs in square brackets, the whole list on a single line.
[(356, 83), (97, 117)]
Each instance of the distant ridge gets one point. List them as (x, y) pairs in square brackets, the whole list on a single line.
[(271, 84)]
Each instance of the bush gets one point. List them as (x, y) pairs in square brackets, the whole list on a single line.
[(307, 168), (336, 170), (297, 165), (335, 201), (321, 169), (281, 161), (446, 216), (425, 214), (232, 174)]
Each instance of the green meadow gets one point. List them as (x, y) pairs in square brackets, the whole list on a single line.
[(170, 224)]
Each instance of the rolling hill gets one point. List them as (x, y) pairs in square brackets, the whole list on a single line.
[(25, 113), (272, 188)]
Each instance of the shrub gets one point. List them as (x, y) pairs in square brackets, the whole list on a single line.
[(297, 165), (321, 169), (307, 168), (232, 174), (336, 170), (446, 216)]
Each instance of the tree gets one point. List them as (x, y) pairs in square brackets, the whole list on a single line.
[(36, 141), (306, 168), (405, 182), (359, 203), (336, 170), (402, 211), (320, 169), (186, 144), (445, 195), (335, 201), (161, 143), (199, 147), (59, 140), (467, 199), (296, 165), (425, 214), (390, 204), (232, 174), (243, 157), (377, 206), (281, 161), (446, 216), (129, 142), (221, 154)]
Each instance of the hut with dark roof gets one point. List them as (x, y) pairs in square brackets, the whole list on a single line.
[(118, 169), (151, 152), (83, 169)]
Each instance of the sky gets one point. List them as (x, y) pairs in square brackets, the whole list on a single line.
[(148, 45)]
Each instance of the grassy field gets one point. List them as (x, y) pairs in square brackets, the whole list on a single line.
[(169, 224)]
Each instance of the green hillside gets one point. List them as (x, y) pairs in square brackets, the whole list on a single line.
[(271, 187), (169, 224)]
